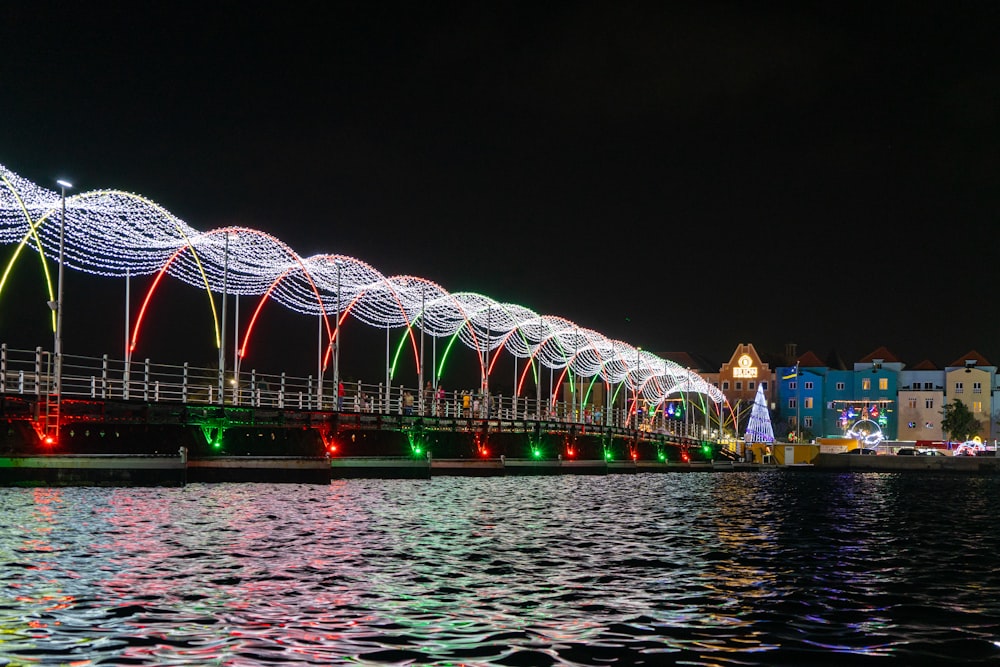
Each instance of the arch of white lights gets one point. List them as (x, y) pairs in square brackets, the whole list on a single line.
[(115, 233)]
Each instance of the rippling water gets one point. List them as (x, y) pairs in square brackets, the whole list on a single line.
[(775, 568)]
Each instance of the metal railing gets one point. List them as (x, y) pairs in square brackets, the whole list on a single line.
[(30, 373)]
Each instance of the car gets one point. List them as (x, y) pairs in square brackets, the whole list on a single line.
[(918, 451), (861, 451)]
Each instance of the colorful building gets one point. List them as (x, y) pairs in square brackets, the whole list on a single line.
[(876, 398)]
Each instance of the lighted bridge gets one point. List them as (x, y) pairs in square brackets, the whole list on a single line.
[(127, 236)]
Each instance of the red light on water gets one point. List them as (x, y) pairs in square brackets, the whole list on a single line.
[(570, 451), (685, 457), (635, 456), (49, 440)]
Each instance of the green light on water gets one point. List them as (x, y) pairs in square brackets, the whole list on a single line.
[(537, 453), (661, 456), (608, 456)]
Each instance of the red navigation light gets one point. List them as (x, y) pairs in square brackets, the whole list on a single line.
[(570, 451), (483, 451), (685, 457), (635, 456), (49, 440)]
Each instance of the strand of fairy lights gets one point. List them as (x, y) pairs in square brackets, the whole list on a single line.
[(113, 233)]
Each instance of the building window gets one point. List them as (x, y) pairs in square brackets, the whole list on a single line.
[(883, 384), (763, 385), (808, 385), (807, 422), (725, 386), (977, 387), (928, 385), (977, 406), (808, 403), (913, 404), (751, 385), (739, 385), (792, 404), (793, 385), (958, 388), (929, 403), (866, 384), (840, 386)]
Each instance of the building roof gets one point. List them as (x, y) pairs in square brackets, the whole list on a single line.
[(882, 353), (925, 365), (810, 360), (695, 362), (971, 355)]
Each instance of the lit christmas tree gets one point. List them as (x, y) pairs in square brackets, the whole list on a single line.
[(759, 428)]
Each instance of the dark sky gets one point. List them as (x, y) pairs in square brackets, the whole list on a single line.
[(683, 176)]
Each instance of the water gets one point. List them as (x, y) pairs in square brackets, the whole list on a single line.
[(775, 568)]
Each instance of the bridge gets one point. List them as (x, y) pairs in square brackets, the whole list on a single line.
[(594, 384)]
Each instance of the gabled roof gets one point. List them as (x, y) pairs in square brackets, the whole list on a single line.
[(926, 365), (695, 362), (971, 355), (810, 360), (882, 353), (835, 362)]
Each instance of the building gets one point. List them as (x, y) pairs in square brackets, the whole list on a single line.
[(876, 398)]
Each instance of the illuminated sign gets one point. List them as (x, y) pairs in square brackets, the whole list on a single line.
[(745, 368)]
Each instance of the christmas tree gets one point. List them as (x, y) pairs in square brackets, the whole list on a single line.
[(759, 428)]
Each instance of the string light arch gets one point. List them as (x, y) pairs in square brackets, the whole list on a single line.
[(115, 234)]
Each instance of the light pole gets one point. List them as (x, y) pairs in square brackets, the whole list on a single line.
[(635, 399), (420, 370), (573, 394), (798, 405), (336, 340), (59, 294), (222, 333)]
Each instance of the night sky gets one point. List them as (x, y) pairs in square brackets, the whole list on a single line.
[(682, 176)]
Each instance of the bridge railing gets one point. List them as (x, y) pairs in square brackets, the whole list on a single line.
[(31, 373)]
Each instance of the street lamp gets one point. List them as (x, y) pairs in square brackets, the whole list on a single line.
[(222, 333), (336, 339), (420, 371), (798, 405), (635, 399), (59, 293)]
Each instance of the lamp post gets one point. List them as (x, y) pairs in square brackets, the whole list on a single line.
[(420, 370), (798, 405), (336, 340), (59, 293), (635, 398), (222, 333)]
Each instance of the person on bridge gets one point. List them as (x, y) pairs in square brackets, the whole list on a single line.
[(428, 397), (439, 401), (340, 395)]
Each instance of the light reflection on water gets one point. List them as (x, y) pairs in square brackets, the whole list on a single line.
[(781, 567)]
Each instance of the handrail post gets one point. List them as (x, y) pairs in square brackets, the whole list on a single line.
[(38, 371), (104, 377)]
